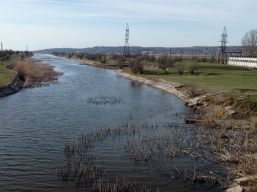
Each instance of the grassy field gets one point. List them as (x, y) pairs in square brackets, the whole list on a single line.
[(210, 77), (6, 75)]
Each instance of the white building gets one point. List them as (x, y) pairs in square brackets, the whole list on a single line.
[(243, 61)]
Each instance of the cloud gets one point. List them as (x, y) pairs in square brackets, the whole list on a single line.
[(195, 19), (199, 10)]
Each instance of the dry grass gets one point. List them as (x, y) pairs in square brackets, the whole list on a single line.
[(253, 119), (34, 73), (232, 135), (218, 112)]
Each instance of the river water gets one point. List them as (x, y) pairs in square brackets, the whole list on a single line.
[(35, 125)]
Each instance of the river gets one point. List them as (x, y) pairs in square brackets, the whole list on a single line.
[(37, 123)]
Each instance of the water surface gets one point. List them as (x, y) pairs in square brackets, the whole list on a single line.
[(36, 123)]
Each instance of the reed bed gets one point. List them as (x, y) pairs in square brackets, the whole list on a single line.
[(120, 185), (145, 148), (35, 74), (104, 100), (229, 143), (81, 165)]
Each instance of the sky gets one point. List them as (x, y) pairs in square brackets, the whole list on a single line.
[(40, 24)]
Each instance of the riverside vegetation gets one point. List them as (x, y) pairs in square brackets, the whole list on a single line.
[(6, 74), (228, 111), (148, 145), (35, 74), (32, 72)]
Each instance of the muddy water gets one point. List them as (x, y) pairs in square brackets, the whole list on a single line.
[(35, 125)]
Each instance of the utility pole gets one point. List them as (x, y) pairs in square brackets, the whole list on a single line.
[(223, 46), (126, 52), (1, 46), (170, 57)]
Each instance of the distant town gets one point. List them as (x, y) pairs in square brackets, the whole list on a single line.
[(195, 50)]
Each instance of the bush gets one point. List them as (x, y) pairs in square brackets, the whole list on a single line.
[(164, 63), (120, 60), (180, 69), (204, 59), (194, 69), (177, 59), (213, 59), (136, 65), (195, 58)]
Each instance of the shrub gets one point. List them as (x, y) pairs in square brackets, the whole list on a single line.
[(120, 60), (194, 69), (180, 69), (164, 63), (177, 59), (213, 59), (136, 65), (204, 59), (195, 58)]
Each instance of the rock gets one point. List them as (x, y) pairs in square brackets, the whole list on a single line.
[(230, 111), (243, 180), (236, 188)]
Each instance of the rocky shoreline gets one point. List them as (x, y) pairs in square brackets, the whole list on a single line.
[(170, 87)]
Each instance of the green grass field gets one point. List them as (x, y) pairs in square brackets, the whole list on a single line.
[(211, 77), (6, 75)]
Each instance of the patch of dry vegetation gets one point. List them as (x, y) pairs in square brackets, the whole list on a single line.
[(233, 133), (35, 74)]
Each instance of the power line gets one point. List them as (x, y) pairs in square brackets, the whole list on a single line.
[(126, 52), (223, 46)]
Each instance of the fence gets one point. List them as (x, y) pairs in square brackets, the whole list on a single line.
[(243, 61)]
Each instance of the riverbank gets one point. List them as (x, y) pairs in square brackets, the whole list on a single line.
[(12, 87), (221, 112), (176, 89), (230, 117), (6, 75), (28, 73), (34, 73), (96, 64)]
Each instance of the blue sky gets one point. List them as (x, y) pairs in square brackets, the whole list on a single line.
[(85, 23)]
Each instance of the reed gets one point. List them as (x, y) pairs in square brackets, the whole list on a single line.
[(153, 144), (104, 100), (35, 74)]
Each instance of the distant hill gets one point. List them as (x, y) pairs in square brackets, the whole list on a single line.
[(196, 50)]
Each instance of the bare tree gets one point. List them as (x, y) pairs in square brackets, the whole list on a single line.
[(136, 65), (164, 63), (249, 43), (120, 59)]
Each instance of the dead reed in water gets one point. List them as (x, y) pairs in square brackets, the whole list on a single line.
[(147, 145), (120, 185), (104, 100)]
